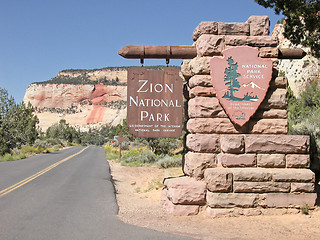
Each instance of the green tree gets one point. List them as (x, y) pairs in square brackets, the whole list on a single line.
[(18, 124), (302, 23), (63, 130), (93, 137)]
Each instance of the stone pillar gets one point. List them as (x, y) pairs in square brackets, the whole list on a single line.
[(232, 170)]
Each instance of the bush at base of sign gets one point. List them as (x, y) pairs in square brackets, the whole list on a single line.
[(163, 146), (134, 157), (166, 161)]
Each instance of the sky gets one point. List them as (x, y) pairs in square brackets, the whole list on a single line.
[(39, 38)]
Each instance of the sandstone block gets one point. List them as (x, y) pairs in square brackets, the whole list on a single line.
[(253, 41), (279, 82), (185, 190), (298, 160), (218, 179), (185, 69), (205, 28), (269, 126), (260, 187), (219, 212), (200, 80), (302, 187), (277, 143), (271, 160), (238, 160), (205, 107), (203, 143), (232, 212), (276, 98), (230, 200), (210, 45), (289, 199), (292, 175), (200, 65), (213, 125), (196, 163), (177, 210), (251, 174), (271, 113), (202, 92), (259, 25), (233, 28), (231, 143), (268, 52)]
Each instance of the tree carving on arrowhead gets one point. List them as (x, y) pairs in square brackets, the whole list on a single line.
[(230, 78)]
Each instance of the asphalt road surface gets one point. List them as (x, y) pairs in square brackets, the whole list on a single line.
[(63, 195)]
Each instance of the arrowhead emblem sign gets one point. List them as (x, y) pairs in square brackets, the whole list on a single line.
[(241, 80)]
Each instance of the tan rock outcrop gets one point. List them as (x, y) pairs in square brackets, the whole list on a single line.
[(299, 72), (81, 105)]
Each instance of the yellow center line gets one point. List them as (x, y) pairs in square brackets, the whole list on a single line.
[(34, 176)]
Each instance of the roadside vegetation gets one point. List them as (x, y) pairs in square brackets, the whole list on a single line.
[(20, 138), (159, 152)]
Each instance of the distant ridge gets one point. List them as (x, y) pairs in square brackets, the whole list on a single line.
[(95, 76)]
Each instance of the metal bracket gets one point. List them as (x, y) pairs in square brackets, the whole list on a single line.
[(142, 55)]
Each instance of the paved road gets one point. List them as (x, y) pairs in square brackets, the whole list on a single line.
[(66, 198)]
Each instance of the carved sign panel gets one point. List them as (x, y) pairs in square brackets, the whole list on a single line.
[(241, 80), (154, 102)]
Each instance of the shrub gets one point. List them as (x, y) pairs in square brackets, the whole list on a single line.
[(130, 153), (107, 148), (125, 145), (166, 161), (303, 118), (305, 209), (147, 157), (7, 157), (19, 156), (163, 146), (138, 157), (29, 150), (111, 154), (49, 142)]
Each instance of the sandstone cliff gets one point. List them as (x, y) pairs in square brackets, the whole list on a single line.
[(299, 72), (82, 105)]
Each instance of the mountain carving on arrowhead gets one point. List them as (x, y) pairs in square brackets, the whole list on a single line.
[(252, 85)]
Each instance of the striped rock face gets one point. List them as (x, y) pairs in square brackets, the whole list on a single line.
[(241, 80)]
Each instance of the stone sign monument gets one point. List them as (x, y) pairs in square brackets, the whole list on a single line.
[(239, 157)]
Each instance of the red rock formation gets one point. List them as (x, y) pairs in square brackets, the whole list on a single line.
[(89, 103)]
